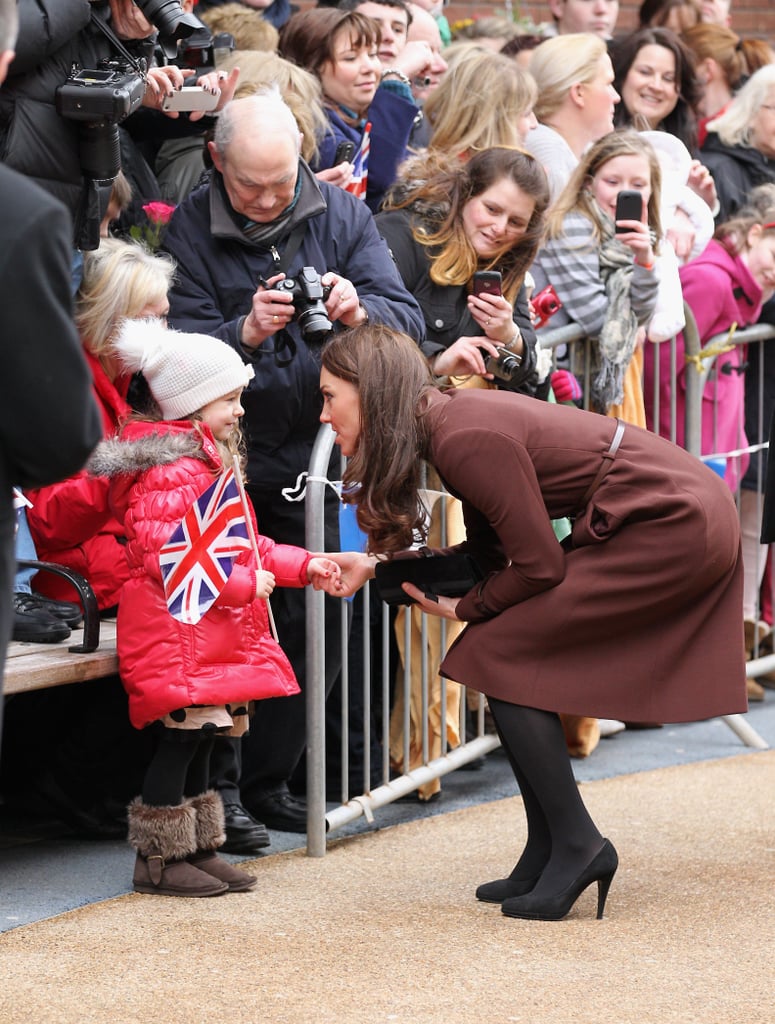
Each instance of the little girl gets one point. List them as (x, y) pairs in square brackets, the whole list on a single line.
[(190, 681), (604, 272)]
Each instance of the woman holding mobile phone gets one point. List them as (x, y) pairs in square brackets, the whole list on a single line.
[(341, 49), (482, 216)]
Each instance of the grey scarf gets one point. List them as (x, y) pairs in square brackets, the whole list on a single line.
[(616, 342)]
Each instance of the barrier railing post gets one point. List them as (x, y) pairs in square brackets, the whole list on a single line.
[(315, 695)]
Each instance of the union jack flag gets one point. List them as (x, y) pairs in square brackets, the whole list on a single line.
[(197, 560), (359, 180)]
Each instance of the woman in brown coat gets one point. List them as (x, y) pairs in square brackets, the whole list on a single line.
[(636, 616)]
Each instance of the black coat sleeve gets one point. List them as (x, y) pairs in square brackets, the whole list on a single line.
[(49, 421)]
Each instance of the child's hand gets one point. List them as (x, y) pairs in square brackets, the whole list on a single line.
[(265, 583), (324, 574)]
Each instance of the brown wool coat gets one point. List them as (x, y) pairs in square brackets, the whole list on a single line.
[(641, 619)]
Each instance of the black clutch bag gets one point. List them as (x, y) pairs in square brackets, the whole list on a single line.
[(441, 575)]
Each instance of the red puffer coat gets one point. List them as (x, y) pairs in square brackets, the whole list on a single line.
[(70, 521), (157, 471)]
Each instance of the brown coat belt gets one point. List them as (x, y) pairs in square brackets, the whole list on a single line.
[(608, 458)]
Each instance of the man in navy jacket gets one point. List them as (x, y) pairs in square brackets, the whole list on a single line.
[(264, 216)]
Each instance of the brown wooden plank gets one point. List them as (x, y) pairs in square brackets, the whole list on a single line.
[(37, 666)]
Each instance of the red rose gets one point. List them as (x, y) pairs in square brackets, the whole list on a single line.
[(159, 213)]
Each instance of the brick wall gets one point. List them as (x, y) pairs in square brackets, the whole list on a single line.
[(749, 17)]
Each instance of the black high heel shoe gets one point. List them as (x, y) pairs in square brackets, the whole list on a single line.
[(505, 888), (601, 869)]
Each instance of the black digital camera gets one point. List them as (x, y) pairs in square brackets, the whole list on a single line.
[(309, 296), (98, 99), (506, 366)]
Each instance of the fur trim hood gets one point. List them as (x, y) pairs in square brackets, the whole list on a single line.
[(118, 456), (414, 174)]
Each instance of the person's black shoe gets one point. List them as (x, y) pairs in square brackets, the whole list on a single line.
[(37, 627), (243, 833), (282, 811), (65, 610)]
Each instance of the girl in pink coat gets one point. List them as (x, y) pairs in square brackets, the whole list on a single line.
[(726, 284), (190, 677)]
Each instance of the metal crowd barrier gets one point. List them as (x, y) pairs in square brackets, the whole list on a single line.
[(378, 686)]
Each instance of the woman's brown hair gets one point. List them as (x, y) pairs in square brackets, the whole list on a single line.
[(383, 476), (309, 38), (440, 230)]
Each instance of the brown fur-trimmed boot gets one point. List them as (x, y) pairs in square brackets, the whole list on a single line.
[(210, 835), (164, 837)]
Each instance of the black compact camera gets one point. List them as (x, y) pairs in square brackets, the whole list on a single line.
[(309, 296), (506, 366), (98, 99)]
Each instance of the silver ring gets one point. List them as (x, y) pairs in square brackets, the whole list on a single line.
[(488, 322)]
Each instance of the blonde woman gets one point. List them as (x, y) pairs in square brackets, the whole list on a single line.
[(70, 521), (740, 148), (575, 105)]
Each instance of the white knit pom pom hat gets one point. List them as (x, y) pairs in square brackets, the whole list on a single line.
[(185, 372)]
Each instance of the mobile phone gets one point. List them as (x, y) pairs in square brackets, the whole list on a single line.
[(487, 282), (629, 206), (344, 151), (191, 97)]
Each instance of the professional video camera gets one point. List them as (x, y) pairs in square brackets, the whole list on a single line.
[(98, 99)]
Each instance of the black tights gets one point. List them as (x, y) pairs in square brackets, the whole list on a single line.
[(561, 836), (180, 767)]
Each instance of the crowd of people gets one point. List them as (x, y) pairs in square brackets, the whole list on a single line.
[(365, 171)]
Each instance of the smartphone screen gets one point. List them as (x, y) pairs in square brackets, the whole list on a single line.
[(629, 206), (487, 282)]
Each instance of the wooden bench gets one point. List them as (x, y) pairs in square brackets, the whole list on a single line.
[(36, 666), (88, 653)]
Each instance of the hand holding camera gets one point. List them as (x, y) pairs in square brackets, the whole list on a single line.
[(314, 302)]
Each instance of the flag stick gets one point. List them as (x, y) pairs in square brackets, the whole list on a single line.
[(251, 533)]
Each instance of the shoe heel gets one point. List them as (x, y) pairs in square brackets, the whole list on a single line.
[(603, 885)]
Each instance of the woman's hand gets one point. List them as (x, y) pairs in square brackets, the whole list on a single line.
[(356, 567), (324, 574), (464, 357), (339, 176), (265, 583), (701, 181), (442, 607), (495, 315), (270, 311), (161, 83), (165, 81)]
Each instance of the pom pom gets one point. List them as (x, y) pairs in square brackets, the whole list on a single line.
[(141, 343)]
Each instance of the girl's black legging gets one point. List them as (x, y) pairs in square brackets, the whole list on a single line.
[(180, 767)]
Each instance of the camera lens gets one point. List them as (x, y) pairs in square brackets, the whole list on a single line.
[(314, 326), (99, 151), (169, 18)]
